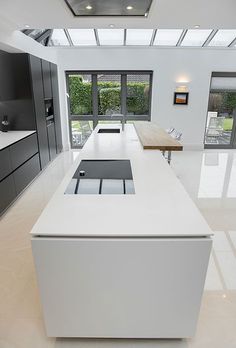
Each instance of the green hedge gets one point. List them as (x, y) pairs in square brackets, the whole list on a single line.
[(109, 97)]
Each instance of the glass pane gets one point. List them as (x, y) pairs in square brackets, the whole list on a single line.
[(195, 37), (111, 36), (36, 32), (223, 38), (167, 37), (81, 131), (58, 38), (138, 36), (138, 90), (220, 118), (80, 94), (83, 37), (109, 94)]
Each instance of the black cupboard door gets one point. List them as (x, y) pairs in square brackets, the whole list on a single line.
[(38, 95), (56, 106), (5, 163), (23, 150), (52, 141), (26, 173), (7, 192), (47, 86)]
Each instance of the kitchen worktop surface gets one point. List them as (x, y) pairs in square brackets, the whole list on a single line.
[(11, 137), (160, 206)]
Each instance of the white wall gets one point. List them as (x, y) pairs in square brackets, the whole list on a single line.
[(169, 65)]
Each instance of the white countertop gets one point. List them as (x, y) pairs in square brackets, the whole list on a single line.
[(160, 206), (11, 137)]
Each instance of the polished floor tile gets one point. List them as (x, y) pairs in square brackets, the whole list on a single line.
[(210, 179)]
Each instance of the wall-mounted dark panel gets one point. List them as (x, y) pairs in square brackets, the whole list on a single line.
[(37, 86), (56, 106), (5, 163), (26, 173), (47, 86), (7, 192), (23, 150), (7, 91)]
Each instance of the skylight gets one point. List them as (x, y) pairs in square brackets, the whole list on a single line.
[(167, 37), (223, 38), (82, 37), (111, 37), (139, 36), (58, 38), (195, 37), (134, 37)]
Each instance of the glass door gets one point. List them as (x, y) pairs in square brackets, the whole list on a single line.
[(221, 116)]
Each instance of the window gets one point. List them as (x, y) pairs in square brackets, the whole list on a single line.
[(167, 37), (111, 37), (223, 38), (58, 38), (137, 101), (221, 117), (83, 37), (195, 37), (98, 96), (139, 36)]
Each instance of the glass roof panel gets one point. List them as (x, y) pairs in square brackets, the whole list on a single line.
[(58, 38), (223, 38), (139, 36), (83, 37), (111, 36), (196, 37), (167, 37)]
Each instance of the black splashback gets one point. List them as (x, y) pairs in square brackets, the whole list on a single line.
[(17, 103)]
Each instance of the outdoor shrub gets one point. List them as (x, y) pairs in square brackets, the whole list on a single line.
[(109, 99)]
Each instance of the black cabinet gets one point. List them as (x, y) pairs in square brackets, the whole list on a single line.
[(52, 140), (5, 163), (23, 150), (7, 192), (47, 86), (26, 173), (38, 95), (7, 89), (56, 106)]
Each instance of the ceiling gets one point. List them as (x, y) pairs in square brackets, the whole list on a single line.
[(169, 14)]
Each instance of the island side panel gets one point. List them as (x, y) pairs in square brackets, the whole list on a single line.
[(121, 287)]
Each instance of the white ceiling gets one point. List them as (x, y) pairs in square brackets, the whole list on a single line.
[(169, 14)]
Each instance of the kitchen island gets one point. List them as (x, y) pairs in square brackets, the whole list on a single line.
[(122, 265)]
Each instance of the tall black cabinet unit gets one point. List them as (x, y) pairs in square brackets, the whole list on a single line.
[(56, 106), (38, 96), (45, 92)]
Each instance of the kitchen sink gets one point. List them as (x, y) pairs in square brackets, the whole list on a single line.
[(102, 177), (109, 130)]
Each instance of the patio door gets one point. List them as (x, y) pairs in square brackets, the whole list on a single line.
[(221, 117)]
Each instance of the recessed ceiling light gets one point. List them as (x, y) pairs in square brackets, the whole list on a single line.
[(89, 7), (27, 26), (129, 8), (111, 25), (197, 26)]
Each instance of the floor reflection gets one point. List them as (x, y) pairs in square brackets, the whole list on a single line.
[(218, 175)]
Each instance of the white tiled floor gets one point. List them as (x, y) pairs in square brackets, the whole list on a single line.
[(210, 179)]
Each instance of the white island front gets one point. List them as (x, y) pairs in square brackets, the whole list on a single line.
[(122, 265)]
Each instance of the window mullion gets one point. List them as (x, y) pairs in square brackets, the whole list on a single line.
[(123, 94)]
